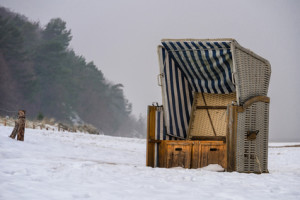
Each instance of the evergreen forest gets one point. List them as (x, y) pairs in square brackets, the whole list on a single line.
[(41, 74)]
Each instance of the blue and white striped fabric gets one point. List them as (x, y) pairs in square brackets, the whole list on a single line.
[(206, 65), (160, 127), (187, 67), (177, 97)]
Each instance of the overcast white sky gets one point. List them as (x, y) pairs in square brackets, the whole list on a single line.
[(121, 38)]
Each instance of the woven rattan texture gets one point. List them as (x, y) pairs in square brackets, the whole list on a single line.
[(252, 155), (252, 75), (200, 122)]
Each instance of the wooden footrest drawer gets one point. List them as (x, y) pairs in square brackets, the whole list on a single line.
[(192, 154)]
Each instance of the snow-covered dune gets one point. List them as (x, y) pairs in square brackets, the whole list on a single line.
[(61, 165)]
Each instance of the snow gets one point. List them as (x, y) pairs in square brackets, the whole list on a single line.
[(62, 165), (214, 168), (281, 144)]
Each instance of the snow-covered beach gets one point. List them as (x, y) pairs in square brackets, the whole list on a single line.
[(63, 165)]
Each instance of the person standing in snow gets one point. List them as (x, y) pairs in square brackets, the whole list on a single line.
[(19, 126)]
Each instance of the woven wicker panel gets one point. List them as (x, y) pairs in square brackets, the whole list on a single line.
[(252, 155), (253, 74), (200, 124)]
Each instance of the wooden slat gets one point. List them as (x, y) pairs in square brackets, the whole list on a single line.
[(231, 137), (209, 138), (196, 154), (154, 141), (161, 154), (150, 152)]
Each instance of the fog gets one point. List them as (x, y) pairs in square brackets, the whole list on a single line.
[(121, 38)]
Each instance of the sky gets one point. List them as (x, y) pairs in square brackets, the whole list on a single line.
[(121, 38)]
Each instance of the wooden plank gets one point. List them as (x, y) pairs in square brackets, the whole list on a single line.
[(231, 137), (195, 162), (161, 162), (234, 135), (209, 138), (223, 156), (213, 152), (179, 154), (154, 141), (228, 136), (150, 152)]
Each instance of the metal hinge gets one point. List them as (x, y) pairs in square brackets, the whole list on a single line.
[(159, 79)]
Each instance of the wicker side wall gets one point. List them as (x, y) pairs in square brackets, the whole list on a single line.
[(252, 74), (252, 155)]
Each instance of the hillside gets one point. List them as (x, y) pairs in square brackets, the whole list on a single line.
[(41, 74), (56, 165)]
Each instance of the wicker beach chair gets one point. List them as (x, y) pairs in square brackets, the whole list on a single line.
[(212, 90)]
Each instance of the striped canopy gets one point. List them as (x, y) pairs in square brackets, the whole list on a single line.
[(206, 65), (189, 66)]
